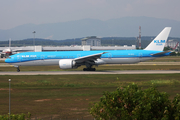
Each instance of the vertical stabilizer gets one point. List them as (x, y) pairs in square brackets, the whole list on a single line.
[(159, 42)]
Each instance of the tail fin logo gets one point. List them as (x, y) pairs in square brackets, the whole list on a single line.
[(159, 42)]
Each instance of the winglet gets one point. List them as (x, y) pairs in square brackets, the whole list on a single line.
[(159, 42)]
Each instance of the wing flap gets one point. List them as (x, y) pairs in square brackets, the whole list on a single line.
[(93, 57)]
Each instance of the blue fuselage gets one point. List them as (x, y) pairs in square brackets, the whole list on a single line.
[(110, 57)]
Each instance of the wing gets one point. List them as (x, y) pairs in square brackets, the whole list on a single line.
[(88, 59), (16, 50)]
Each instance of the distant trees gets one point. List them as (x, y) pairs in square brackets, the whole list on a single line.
[(105, 41), (132, 103), (173, 53)]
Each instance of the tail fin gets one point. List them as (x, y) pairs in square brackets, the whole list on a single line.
[(159, 42)]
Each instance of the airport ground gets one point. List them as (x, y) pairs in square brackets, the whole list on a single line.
[(69, 96)]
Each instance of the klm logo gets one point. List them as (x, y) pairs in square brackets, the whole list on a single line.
[(159, 42)]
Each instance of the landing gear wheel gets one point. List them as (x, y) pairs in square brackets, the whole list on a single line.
[(18, 70), (89, 69), (93, 69)]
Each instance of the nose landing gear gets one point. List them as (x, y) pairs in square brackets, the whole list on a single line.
[(18, 70), (17, 67)]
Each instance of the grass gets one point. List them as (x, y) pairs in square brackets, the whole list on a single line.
[(99, 68), (2, 61), (165, 82), (69, 96)]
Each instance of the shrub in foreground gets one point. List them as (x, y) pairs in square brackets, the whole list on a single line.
[(132, 103), (16, 117)]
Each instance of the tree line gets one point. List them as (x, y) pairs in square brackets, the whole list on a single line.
[(105, 41)]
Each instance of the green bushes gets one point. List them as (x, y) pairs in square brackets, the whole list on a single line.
[(16, 117), (132, 103)]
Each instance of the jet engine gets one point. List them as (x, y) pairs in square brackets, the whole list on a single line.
[(67, 64), (100, 62)]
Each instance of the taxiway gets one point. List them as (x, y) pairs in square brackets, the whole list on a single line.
[(91, 72)]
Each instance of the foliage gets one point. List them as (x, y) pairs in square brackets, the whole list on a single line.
[(173, 54), (16, 117), (167, 48), (132, 103)]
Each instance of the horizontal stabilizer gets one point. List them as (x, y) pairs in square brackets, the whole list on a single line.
[(161, 53)]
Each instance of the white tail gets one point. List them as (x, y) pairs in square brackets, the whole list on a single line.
[(159, 42)]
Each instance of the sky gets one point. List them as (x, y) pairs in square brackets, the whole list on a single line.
[(18, 12)]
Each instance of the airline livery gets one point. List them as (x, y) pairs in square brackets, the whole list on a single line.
[(74, 59)]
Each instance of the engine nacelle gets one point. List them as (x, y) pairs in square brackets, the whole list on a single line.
[(99, 62), (67, 64)]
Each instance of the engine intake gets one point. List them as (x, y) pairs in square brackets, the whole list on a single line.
[(67, 64)]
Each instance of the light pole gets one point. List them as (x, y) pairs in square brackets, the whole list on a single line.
[(34, 38), (9, 99)]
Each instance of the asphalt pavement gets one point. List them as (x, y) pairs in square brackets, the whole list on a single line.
[(91, 72)]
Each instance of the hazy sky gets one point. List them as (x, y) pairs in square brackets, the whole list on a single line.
[(19, 12)]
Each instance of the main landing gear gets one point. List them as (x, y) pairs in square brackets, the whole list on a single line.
[(89, 68), (18, 70)]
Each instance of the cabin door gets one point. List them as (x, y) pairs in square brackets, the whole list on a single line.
[(109, 55), (78, 55), (42, 59), (19, 58), (140, 56)]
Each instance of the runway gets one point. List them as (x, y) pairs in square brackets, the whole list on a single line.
[(91, 72)]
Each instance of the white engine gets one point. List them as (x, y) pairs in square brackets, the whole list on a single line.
[(99, 62), (67, 64)]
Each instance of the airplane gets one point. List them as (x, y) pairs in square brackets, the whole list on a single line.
[(6, 52), (74, 59)]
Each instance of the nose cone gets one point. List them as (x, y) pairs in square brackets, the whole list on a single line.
[(7, 60)]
